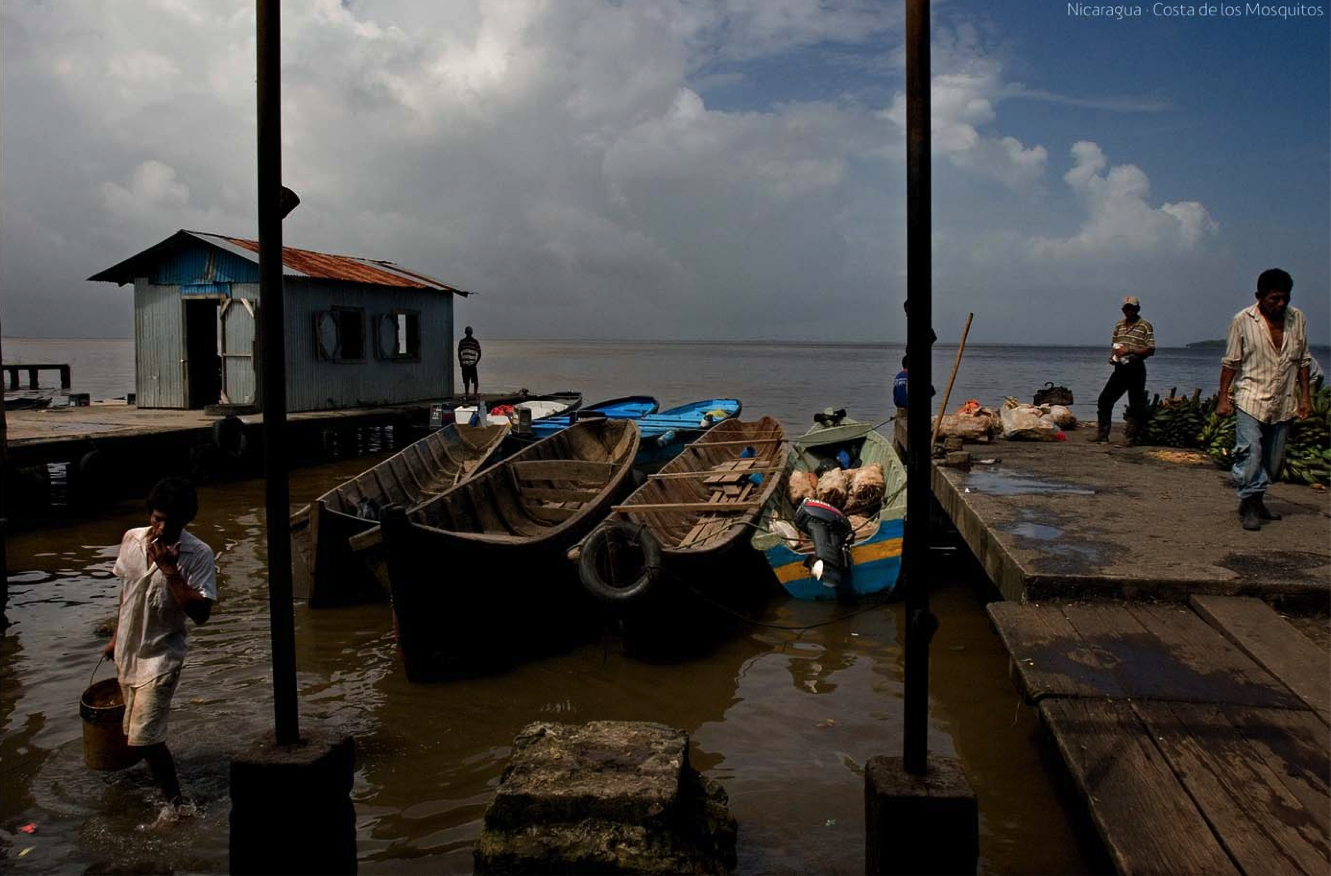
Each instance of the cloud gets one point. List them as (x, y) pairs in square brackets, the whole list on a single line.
[(963, 99), (1119, 218)]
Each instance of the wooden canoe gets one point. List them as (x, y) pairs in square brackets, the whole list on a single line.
[(476, 567), (327, 570), (687, 517), (875, 552)]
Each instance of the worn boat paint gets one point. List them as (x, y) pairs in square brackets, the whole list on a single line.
[(666, 433), (875, 559)]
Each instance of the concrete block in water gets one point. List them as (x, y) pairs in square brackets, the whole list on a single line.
[(919, 824), (605, 797), (291, 809)]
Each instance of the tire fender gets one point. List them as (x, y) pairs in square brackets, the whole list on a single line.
[(595, 547), (229, 435)]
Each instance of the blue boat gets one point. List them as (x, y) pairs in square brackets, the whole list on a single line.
[(875, 550), (665, 434), (630, 407)]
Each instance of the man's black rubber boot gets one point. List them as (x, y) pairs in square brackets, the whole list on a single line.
[(1264, 512), (1248, 511), (1102, 435)]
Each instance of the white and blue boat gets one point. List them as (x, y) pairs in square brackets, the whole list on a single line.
[(874, 550), (668, 432)]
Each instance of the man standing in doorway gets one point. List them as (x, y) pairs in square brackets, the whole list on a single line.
[(469, 356), (166, 575), (1133, 342), (1265, 357)]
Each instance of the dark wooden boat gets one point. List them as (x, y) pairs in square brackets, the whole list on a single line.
[(327, 570), (479, 570), (675, 530)]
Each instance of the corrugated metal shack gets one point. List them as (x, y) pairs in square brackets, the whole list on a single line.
[(359, 332)]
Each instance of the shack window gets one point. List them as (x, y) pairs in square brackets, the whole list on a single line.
[(399, 335), (339, 334)]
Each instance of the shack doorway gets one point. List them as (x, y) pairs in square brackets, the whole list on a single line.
[(203, 364)]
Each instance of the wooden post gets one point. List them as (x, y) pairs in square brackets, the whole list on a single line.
[(273, 340), (947, 393)]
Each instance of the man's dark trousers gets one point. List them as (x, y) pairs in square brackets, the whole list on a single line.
[(1129, 377)]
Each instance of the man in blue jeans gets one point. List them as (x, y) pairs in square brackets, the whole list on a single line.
[(1265, 358)]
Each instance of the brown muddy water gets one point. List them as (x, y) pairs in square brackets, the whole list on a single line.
[(784, 719)]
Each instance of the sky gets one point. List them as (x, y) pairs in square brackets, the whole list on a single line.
[(697, 170)]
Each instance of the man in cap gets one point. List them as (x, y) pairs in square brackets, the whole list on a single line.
[(1266, 357), (469, 356), (1132, 344)]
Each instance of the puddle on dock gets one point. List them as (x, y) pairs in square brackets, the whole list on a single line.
[(1004, 483), (1038, 531)]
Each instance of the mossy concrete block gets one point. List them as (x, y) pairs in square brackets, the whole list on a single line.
[(625, 771), (605, 797), (919, 824), (291, 809)]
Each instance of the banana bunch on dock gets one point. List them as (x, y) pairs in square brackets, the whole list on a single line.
[(1177, 421), (1307, 450), (1308, 453)]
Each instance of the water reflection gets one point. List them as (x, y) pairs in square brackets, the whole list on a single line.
[(784, 715)]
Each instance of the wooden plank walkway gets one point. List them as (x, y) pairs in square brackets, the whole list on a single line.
[(1198, 737)]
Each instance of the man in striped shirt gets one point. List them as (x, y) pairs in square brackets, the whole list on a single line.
[(1132, 343), (1265, 357), (469, 356)]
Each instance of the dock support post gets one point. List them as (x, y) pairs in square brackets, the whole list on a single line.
[(920, 813), (291, 809)]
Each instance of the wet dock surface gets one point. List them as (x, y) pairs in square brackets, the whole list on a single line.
[(1197, 736), (1078, 520)]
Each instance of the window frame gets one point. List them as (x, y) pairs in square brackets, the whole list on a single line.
[(411, 326), (336, 313)]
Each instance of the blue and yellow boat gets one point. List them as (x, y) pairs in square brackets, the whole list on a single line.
[(875, 551)]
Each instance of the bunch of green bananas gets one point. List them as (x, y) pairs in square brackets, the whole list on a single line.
[(1308, 451), (1177, 420)]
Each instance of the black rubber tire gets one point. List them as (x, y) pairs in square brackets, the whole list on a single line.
[(641, 586), (229, 435)]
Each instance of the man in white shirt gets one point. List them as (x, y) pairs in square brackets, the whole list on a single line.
[(1266, 357), (166, 575)]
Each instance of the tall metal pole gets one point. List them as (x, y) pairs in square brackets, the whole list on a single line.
[(919, 340), (272, 347)]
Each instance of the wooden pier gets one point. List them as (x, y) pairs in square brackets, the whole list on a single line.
[(12, 371), (1074, 519), (1192, 721), (1197, 736)]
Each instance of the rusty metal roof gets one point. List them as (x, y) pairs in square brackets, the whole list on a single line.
[(295, 263)]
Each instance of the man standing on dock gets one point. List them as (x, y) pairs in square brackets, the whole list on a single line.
[(1133, 342), (469, 356), (1266, 354), (166, 575)]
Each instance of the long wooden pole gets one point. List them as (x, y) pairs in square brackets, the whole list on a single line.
[(920, 622), (947, 393), (272, 336)]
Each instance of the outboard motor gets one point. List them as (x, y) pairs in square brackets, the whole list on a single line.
[(831, 533)]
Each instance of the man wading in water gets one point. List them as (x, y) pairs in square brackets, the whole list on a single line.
[(1266, 354), (166, 575), (1132, 343)]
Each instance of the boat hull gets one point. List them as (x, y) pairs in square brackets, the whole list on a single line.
[(875, 566)]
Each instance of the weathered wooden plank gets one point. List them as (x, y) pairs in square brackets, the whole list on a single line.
[(1295, 746), (558, 494), (550, 513), (563, 470), (715, 507), (1049, 656), (1202, 665), (1256, 630), (1263, 827), (1145, 818)]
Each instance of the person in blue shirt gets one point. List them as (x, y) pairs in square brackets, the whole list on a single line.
[(899, 386)]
